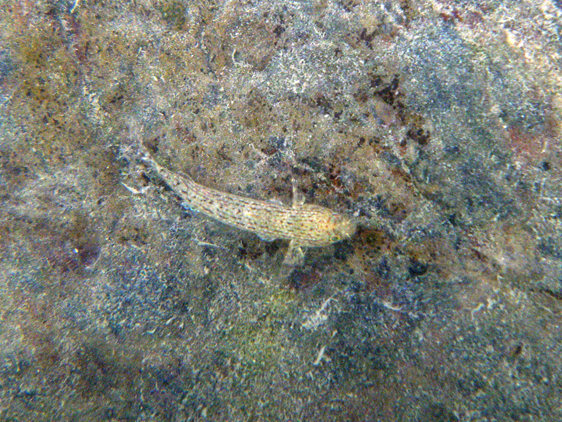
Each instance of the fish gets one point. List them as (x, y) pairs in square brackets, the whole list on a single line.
[(303, 225)]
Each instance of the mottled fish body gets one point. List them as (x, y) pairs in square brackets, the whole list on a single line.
[(303, 225)]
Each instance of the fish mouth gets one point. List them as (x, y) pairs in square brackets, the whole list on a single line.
[(349, 229), (345, 229)]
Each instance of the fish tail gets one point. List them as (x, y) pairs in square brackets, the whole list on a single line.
[(162, 171), (145, 154)]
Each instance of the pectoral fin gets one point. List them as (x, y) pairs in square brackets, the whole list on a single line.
[(294, 256), (298, 197)]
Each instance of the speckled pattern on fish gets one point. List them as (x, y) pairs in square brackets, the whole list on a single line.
[(303, 225)]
